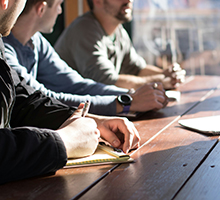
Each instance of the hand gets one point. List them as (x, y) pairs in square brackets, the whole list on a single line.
[(148, 98), (119, 132), (79, 134), (173, 76)]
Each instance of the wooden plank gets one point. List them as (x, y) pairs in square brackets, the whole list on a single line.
[(204, 184), (161, 168), (64, 185), (71, 10), (160, 151), (163, 165), (191, 94), (85, 6)]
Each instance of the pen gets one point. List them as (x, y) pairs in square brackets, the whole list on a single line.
[(85, 108)]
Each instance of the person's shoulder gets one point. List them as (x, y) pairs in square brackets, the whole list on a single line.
[(39, 38), (10, 39), (11, 44), (82, 28), (85, 18), (41, 44), (85, 22)]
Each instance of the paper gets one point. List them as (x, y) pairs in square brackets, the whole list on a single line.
[(207, 125), (173, 95), (103, 155)]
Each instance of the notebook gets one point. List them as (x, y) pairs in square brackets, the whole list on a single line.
[(206, 125), (104, 154)]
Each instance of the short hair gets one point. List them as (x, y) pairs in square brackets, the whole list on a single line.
[(30, 3), (90, 3)]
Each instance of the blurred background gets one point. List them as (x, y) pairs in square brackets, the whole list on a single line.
[(163, 32), (183, 31)]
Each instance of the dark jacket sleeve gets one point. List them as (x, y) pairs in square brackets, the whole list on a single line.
[(33, 108), (28, 152)]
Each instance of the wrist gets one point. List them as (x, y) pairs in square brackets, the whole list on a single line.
[(119, 107), (131, 91), (125, 101)]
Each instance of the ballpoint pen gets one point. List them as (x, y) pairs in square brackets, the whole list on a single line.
[(86, 108)]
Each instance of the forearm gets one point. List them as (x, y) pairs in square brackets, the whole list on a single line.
[(147, 75), (152, 74), (131, 81), (33, 108), (150, 70)]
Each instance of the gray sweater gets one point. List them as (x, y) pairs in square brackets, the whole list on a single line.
[(86, 47)]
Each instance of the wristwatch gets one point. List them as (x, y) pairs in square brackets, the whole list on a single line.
[(125, 100)]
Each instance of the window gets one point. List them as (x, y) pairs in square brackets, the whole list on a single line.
[(183, 31)]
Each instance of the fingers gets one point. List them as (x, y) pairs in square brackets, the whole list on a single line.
[(78, 112), (121, 133), (160, 102), (111, 136), (97, 132), (176, 67), (82, 110), (132, 138), (160, 95), (149, 97), (176, 73), (157, 86)]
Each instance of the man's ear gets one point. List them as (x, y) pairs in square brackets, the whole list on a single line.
[(41, 8), (4, 4)]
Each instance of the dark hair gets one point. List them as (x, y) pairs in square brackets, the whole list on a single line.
[(30, 3), (90, 3)]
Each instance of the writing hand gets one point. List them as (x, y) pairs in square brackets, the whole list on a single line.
[(79, 134)]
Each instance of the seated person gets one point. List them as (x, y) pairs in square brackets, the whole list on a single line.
[(39, 133), (98, 47), (31, 55)]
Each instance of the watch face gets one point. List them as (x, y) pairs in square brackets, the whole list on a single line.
[(125, 99)]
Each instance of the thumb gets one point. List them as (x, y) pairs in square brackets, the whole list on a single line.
[(79, 110), (81, 105), (77, 114)]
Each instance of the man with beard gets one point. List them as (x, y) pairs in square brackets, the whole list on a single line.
[(98, 47), (38, 133), (33, 57)]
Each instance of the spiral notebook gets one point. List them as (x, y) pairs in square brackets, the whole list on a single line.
[(104, 154), (206, 125)]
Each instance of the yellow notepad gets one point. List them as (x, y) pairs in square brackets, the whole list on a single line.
[(104, 154)]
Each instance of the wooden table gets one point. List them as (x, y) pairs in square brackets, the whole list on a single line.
[(172, 162)]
